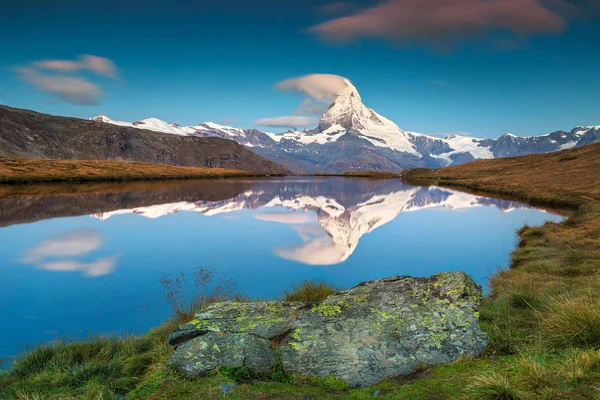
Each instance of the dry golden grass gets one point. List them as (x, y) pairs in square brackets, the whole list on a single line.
[(568, 177), (25, 170), (547, 298)]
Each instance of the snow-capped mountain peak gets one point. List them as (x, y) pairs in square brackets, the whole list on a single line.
[(352, 137), (348, 113)]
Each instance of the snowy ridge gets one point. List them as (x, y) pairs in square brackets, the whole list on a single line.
[(391, 148), (157, 125)]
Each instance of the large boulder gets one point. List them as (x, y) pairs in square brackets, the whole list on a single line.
[(377, 329)]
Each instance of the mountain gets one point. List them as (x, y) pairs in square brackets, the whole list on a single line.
[(353, 137), (28, 134)]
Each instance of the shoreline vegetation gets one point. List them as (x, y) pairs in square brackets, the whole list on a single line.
[(17, 171), (542, 316), (31, 170)]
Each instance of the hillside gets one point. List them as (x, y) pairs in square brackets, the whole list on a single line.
[(569, 177), (29, 134), (26, 170)]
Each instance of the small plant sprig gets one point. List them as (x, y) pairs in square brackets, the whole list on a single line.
[(187, 294)]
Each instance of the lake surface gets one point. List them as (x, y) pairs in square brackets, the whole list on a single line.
[(89, 262)]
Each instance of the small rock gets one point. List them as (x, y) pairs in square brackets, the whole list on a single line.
[(376, 393), (227, 387), (307, 397)]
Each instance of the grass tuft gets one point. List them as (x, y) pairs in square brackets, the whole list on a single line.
[(310, 291), (572, 322), (493, 386)]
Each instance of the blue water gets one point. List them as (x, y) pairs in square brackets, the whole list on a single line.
[(80, 264)]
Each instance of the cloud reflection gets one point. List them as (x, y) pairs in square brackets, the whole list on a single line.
[(61, 252)]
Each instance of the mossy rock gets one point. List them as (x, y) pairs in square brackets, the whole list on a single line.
[(378, 329)]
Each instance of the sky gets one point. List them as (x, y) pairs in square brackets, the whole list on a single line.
[(476, 67)]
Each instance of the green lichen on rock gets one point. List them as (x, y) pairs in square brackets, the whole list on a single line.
[(327, 310), (377, 329)]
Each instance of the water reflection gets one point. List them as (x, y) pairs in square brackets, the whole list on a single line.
[(62, 253), (330, 216)]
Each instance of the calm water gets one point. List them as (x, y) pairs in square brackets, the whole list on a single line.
[(89, 262)]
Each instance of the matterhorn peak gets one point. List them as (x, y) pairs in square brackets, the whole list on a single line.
[(348, 113), (349, 91)]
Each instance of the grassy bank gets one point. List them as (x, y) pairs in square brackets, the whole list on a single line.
[(566, 178), (544, 308), (28, 170), (543, 315)]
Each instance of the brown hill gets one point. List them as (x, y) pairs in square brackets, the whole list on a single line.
[(565, 177), (29, 134), (27, 170)]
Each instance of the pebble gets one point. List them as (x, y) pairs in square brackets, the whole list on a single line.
[(227, 387)]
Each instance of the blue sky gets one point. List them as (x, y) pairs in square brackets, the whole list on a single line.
[(521, 67)]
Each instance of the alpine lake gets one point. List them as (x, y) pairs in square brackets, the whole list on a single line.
[(86, 259)]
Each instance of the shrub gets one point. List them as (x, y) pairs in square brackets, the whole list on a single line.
[(310, 291)]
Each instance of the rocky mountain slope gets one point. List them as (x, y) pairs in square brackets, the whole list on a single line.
[(29, 134), (352, 137)]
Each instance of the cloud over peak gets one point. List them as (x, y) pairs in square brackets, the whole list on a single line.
[(442, 22), (319, 89)]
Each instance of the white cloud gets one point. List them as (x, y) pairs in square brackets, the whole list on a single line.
[(310, 107), (290, 121), (56, 78), (320, 87), (320, 90), (73, 90), (98, 65)]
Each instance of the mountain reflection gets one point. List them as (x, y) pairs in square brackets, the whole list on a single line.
[(330, 215)]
